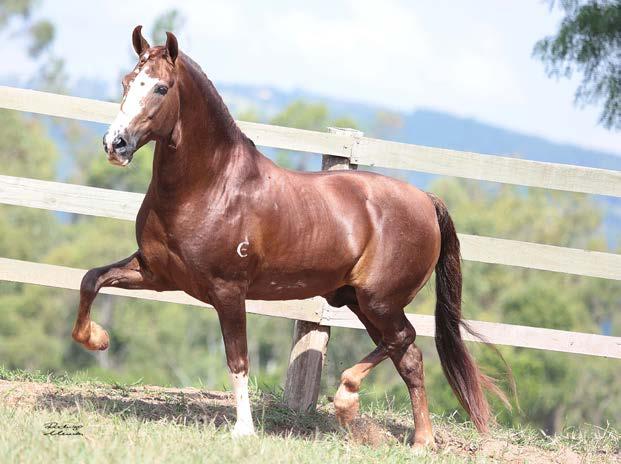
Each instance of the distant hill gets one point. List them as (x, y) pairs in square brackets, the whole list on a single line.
[(426, 127)]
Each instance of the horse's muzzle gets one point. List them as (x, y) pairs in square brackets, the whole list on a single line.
[(120, 152)]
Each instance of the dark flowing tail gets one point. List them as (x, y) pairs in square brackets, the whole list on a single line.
[(462, 373)]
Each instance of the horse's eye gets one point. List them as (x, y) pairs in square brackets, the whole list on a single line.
[(161, 89)]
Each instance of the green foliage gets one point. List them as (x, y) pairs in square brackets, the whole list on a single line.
[(16, 17), (588, 41), (310, 116), (26, 149), (249, 114), (169, 21), (42, 33), (25, 233), (12, 8), (94, 169), (39, 33), (302, 115)]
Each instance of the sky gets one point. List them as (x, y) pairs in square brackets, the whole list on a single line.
[(471, 59)]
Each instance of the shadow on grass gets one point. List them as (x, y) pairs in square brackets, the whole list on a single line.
[(192, 406), (175, 407)]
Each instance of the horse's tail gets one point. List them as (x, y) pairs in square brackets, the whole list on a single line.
[(461, 371)]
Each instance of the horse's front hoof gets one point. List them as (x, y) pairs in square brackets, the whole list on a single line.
[(98, 340), (346, 404), (243, 430)]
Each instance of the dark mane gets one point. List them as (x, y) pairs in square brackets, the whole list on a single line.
[(226, 120)]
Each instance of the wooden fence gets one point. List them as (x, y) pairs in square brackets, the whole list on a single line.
[(342, 149)]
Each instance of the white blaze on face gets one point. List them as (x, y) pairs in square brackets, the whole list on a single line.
[(132, 104), (243, 425)]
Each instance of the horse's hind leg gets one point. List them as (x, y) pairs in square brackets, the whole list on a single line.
[(346, 296), (397, 342), (346, 401), (128, 273), (409, 364)]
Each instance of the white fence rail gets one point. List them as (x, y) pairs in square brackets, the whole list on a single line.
[(49, 275), (364, 151), (115, 204), (317, 310), (360, 150)]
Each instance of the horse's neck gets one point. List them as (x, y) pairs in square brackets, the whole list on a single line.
[(208, 141)]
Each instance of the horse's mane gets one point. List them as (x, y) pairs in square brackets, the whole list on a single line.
[(222, 112)]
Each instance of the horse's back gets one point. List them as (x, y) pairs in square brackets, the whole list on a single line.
[(392, 206)]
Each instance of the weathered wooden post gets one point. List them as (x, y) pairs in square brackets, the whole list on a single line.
[(310, 340)]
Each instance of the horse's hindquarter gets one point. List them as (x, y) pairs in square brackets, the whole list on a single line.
[(405, 245), (326, 230)]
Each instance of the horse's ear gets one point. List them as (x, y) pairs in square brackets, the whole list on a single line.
[(171, 46), (139, 42)]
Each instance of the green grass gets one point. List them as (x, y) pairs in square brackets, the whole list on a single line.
[(137, 423)]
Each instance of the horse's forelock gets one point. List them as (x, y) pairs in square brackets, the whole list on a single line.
[(150, 58)]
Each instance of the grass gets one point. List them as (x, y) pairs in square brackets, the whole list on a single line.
[(139, 423)]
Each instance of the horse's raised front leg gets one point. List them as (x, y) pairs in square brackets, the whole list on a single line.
[(231, 308), (128, 273)]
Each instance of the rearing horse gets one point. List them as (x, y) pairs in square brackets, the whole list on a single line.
[(223, 223)]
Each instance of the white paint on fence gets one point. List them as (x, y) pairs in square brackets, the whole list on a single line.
[(367, 151), (500, 334), (493, 168), (537, 256), (115, 204), (69, 198), (317, 310), (49, 275), (86, 109)]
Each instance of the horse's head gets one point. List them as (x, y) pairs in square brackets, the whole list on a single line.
[(150, 105)]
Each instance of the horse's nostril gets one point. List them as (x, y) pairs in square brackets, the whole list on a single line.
[(118, 142)]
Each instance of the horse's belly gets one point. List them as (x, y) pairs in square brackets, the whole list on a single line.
[(294, 286)]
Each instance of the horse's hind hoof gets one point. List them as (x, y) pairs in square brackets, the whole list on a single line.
[(98, 340), (346, 404)]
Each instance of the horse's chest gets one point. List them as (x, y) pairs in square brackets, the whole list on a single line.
[(189, 250)]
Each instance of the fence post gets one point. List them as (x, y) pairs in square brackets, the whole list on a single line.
[(310, 340)]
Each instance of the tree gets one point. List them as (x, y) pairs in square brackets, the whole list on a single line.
[(303, 115), (169, 21), (17, 17), (27, 234), (39, 33), (589, 41)]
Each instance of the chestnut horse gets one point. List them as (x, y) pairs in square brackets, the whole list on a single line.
[(223, 223)]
